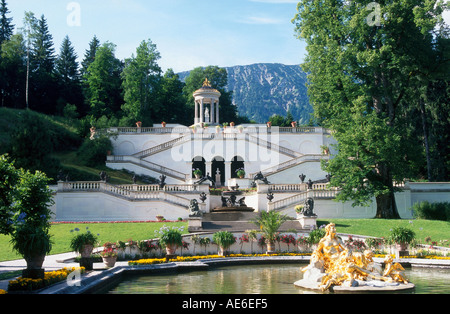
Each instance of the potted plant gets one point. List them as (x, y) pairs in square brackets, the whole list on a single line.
[(139, 124), (240, 128), (294, 124), (218, 129), (30, 219), (240, 173), (325, 149), (170, 238), (299, 210), (33, 243), (83, 243), (159, 218), (232, 124), (163, 124), (109, 254), (402, 237), (224, 239), (225, 124), (198, 173), (269, 223), (269, 124)]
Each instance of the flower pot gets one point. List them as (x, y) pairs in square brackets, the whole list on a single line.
[(109, 261), (171, 249), (270, 247), (86, 250), (222, 251), (35, 262)]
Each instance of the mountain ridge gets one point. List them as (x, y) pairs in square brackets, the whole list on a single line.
[(261, 90)]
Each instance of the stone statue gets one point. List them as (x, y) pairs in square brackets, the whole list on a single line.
[(194, 210), (203, 197), (260, 176), (302, 177), (162, 181), (333, 264), (103, 176), (310, 184), (242, 202), (308, 209)]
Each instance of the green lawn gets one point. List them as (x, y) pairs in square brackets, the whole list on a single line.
[(437, 230), (112, 232)]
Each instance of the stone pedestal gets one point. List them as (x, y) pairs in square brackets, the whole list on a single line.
[(195, 224), (307, 222)]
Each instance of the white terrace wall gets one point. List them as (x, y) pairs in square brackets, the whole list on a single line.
[(99, 204)]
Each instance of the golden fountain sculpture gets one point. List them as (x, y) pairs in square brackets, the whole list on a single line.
[(340, 267)]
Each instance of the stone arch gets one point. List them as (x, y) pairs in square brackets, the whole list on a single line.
[(236, 163), (198, 163), (218, 164)]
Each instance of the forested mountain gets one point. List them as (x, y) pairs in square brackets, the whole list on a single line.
[(263, 89)]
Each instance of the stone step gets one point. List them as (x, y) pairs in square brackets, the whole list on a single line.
[(230, 216)]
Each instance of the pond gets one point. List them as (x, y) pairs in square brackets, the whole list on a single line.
[(256, 279)]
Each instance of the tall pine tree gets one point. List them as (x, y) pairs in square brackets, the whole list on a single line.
[(68, 77), (6, 26), (43, 85)]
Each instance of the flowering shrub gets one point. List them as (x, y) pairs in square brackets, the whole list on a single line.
[(3, 291), (109, 250), (50, 278), (355, 245), (288, 239)]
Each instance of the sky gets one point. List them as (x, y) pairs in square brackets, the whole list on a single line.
[(187, 33)]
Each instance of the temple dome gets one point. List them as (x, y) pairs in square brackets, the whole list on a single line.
[(207, 89)]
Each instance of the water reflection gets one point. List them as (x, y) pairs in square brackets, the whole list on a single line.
[(256, 279)]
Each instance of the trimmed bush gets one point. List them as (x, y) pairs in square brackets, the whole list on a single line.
[(432, 211)]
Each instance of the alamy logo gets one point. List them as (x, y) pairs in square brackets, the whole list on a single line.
[(74, 17)]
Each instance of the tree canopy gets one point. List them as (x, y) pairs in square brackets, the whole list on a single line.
[(365, 69)]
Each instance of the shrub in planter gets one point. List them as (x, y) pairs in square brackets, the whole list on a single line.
[(402, 237), (224, 239), (170, 238), (83, 243)]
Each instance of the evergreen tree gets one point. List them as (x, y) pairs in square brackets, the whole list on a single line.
[(6, 26), (89, 56), (13, 72), (43, 85), (68, 77), (141, 78)]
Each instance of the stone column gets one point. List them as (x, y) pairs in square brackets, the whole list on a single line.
[(213, 115), (217, 112), (227, 171), (196, 112), (202, 117), (208, 168)]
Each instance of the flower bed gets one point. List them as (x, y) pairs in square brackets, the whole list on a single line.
[(50, 278), (153, 261)]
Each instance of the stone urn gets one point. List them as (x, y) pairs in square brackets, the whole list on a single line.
[(86, 250), (171, 249), (270, 247), (109, 261), (34, 268)]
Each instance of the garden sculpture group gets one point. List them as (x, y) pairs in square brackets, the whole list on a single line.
[(332, 264)]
